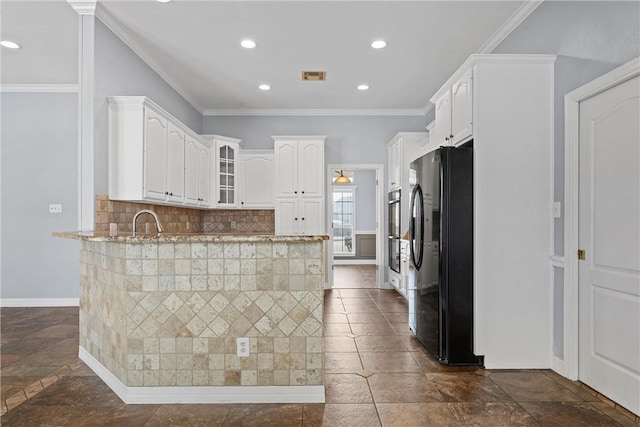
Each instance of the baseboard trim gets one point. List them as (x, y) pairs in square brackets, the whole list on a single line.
[(557, 365), (354, 261), (204, 394), (39, 302)]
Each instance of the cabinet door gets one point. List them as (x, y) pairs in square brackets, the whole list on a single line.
[(226, 155), (256, 181), (204, 175), (175, 164), (287, 219), (443, 119), (394, 152), (311, 169), (191, 172), (286, 173), (311, 220), (155, 155), (462, 108)]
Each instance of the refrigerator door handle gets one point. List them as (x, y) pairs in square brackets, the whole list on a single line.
[(416, 231)]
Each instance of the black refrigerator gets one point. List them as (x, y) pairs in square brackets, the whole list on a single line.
[(441, 246)]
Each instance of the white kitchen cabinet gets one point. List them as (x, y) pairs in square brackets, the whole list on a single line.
[(225, 191), (299, 184), (454, 112), (403, 148), (506, 113), (175, 164), (147, 148), (197, 173), (256, 179)]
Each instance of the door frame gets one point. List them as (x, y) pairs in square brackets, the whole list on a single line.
[(380, 224), (571, 192)]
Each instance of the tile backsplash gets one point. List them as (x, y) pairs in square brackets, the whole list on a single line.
[(181, 220)]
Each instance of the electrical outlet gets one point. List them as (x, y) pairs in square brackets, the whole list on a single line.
[(243, 346), (55, 208), (233, 224), (557, 209)]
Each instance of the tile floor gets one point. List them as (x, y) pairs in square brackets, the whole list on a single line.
[(377, 374)]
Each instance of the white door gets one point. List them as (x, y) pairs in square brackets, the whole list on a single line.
[(609, 223), (462, 108), (287, 219), (286, 169), (204, 175), (175, 164), (311, 169), (191, 194), (311, 216), (256, 182)]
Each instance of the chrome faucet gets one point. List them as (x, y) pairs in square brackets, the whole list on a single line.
[(155, 216)]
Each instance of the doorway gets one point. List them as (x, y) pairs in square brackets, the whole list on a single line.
[(602, 235), (355, 251)]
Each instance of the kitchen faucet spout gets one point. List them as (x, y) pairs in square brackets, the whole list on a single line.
[(155, 216)]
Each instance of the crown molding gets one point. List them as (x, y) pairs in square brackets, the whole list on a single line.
[(510, 24), (314, 112), (39, 88), (126, 38), (83, 7)]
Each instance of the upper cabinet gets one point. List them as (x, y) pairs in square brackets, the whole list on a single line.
[(197, 191), (226, 163), (147, 149), (454, 112), (256, 179), (402, 150), (299, 184)]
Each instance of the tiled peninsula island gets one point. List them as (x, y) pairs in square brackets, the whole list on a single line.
[(160, 316)]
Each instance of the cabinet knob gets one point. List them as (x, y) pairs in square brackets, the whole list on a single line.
[(166, 193), (296, 219), (446, 138), (451, 136), (242, 203), (171, 194), (295, 192), (303, 219)]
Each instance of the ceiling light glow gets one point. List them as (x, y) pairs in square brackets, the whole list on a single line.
[(248, 44), (363, 87), (9, 44), (163, 1), (378, 44), (264, 87)]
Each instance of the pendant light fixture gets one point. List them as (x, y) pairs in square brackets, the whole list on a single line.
[(341, 179)]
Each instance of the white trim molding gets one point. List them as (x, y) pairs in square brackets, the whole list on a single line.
[(572, 102), (315, 112), (126, 38), (39, 88), (203, 394), (557, 261), (39, 302), (353, 261), (510, 24), (84, 7)]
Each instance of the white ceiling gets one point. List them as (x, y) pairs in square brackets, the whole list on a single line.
[(195, 46)]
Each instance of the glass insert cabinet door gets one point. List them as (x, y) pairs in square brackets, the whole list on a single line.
[(226, 174)]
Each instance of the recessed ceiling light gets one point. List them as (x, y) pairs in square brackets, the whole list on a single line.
[(164, 1), (264, 87), (363, 87), (378, 44), (248, 44), (10, 44)]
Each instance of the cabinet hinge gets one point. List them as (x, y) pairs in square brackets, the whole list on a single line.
[(581, 254)]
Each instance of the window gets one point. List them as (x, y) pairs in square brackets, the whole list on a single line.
[(344, 208)]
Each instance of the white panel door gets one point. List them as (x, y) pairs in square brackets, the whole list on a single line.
[(287, 220), (443, 119), (286, 173), (175, 164), (204, 175), (311, 216), (191, 172), (155, 155), (256, 181), (462, 108), (311, 169), (609, 276)]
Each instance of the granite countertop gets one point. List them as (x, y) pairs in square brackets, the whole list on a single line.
[(186, 237)]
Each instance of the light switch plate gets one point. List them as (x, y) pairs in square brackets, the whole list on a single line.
[(55, 208), (557, 209)]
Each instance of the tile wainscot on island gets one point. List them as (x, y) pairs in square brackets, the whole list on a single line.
[(160, 316)]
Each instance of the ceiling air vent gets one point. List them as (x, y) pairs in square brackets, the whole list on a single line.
[(315, 76)]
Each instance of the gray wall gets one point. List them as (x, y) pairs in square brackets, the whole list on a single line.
[(365, 182), (591, 38), (39, 166), (350, 139), (120, 71)]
